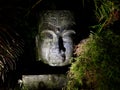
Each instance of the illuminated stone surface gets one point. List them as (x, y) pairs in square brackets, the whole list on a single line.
[(54, 44), (38, 82)]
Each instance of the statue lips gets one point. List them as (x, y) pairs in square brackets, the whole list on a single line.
[(62, 54), (58, 58), (64, 57)]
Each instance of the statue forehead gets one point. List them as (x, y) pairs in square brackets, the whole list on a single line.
[(58, 18)]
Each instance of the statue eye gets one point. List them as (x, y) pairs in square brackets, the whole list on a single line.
[(48, 35)]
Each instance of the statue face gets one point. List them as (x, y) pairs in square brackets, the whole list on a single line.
[(54, 43)]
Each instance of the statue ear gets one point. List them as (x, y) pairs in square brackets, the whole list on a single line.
[(37, 40)]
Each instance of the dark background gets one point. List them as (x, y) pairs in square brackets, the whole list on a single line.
[(23, 18)]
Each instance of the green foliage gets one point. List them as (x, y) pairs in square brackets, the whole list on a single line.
[(105, 12), (97, 64), (97, 67)]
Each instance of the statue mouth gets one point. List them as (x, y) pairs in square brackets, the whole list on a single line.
[(63, 57), (57, 60)]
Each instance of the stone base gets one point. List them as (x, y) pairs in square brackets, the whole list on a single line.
[(43, 82)]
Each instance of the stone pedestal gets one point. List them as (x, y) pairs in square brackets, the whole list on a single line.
[(43, 82)]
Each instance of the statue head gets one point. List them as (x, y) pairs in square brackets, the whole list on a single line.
[(54, 43)]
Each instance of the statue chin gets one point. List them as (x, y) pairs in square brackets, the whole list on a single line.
[(56, 62)]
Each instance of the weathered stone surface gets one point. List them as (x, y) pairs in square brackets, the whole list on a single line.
[(54, 42), (40, 82)]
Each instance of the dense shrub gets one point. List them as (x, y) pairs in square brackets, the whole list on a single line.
[(97, 64)]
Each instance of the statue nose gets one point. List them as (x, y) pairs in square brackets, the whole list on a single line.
[(61, 45)]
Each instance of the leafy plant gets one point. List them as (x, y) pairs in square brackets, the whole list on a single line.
[(11, 46), (106, 13), (96, 65)]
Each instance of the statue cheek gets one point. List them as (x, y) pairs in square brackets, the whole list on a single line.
[(69, 49), (44, 51)]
